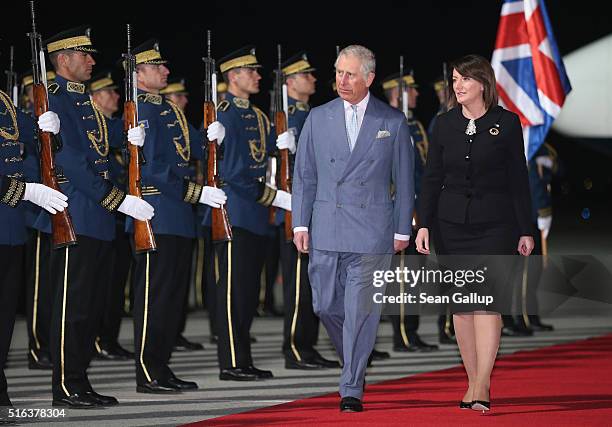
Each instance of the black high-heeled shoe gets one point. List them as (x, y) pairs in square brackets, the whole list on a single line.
[(481, 405), (465, 405)]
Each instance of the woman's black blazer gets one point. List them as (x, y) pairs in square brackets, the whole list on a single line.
[(480, 178)]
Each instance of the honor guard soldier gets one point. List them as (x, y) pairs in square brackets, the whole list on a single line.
[(103, 93), (542, 167), (242, 172), (405, 336), (14, 190), (161, 277), (176, 92), (301, 325), (80, 272), (38, 245)]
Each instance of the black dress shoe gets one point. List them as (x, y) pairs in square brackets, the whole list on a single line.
[(302, 364), (443, 338), (465, 405), (183, 344), (77, 401), (4, 400), (415, 344), (513, 331), (252, 338), (214, 339), (326, 363), (41, 361), (237, 374), (261, 373), (182, 384), (157, 387), (113, 352), (101, 399), (537, 325), (380, 355), (350, 404)]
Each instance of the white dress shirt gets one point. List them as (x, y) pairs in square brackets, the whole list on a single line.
[(348, 112)]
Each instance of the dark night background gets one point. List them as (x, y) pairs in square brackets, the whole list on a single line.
[(426, 33)]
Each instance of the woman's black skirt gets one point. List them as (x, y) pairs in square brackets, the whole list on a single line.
[(489, 252)]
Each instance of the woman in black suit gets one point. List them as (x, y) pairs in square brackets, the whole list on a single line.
[(475, 200)]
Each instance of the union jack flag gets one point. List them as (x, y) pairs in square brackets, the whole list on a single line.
[(531, 78)]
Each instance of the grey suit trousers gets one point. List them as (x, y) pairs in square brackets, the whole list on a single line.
[(342, 297)]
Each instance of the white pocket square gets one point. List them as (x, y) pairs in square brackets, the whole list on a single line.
[(383, 134)]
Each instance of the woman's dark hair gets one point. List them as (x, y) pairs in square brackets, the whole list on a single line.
[(479, 69)]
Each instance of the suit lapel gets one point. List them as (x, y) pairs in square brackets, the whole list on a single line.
[(367, 134), (338, 138)]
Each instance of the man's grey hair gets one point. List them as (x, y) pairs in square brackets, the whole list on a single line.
[(368, 60)]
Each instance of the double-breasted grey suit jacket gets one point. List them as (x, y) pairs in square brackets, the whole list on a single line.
[(354, 201)]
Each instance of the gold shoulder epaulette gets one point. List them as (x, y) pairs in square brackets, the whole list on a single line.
[(291, 110), (241, 102), (53, 88), (151, 98), (223, 105)]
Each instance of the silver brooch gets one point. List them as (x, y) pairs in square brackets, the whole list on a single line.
[(471, 127)]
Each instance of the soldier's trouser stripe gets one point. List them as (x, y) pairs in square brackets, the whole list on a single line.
[(229, 303), (144, 322), (35, 302), (524, 293), (64, 323), (402, 306), (297, 306)]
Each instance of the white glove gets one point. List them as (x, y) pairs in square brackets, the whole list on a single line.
[(212, 196), (544, 161), (136, 136), (215, 131), (49, 122), (544, 223), (47, 198), (282, 200), (136, 208), (286, 140)]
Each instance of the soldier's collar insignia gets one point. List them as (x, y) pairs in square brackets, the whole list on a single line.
[(75, 87), (302, 106), (241, 102), (223, 105), (53, 87), (151, 98), (291, 109), (494, 130)]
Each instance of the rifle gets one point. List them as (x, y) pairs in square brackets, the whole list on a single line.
[(403, 93), (61, 222), (144, 239), (221, 228), (11, 79), (281, 108)]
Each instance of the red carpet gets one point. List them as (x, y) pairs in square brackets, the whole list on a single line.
[(562, 385)]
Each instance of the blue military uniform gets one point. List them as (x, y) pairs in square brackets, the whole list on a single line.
[(161, 277), (107, 346), (301, 325), (242, 172), (405, 326), (80, 273), (13, 231)]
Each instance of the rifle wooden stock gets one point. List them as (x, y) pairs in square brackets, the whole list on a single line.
[(61, 222), (144, 239), (221, 228), (280, 123)]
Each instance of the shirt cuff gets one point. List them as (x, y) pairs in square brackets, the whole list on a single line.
[(296, 229), (402, 237)]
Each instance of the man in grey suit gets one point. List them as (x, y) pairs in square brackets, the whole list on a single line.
[(352, 203)]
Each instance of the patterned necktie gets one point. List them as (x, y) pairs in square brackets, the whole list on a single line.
[(352, 128)]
